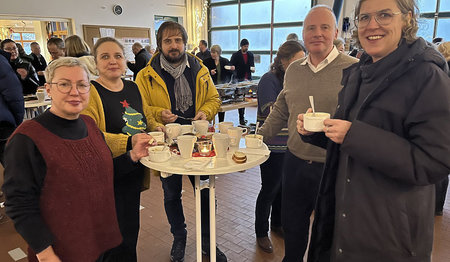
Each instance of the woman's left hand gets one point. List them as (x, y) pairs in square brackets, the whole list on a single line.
[(200, 116), (336, 129), (140, 144)]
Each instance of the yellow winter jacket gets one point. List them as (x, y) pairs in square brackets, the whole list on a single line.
[(154, 90), (117, 143)]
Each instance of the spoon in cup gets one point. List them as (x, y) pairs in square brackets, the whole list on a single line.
[(311, 101)]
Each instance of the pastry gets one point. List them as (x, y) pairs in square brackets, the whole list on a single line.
[(239, 157)]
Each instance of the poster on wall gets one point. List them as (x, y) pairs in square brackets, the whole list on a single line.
[(128, 42), (159, 19)]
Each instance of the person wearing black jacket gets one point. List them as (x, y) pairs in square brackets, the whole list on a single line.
[(38, 62), (219, 74), (24, 70), (141, 58), (244, 63)]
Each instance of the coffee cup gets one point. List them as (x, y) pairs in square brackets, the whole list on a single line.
[(158, 136), (172, 131), (253, 141), (185, 129), (227, 67), (186, 145), (158, 154), (40, 96), (223, 127), (252, 68), (201, 126), (313, 122), (221, 143), (235, 134)]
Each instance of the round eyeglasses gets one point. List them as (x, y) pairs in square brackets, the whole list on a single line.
[(381, 17), (66, 86)]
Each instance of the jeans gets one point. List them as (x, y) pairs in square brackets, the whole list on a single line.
[(270, 195), (172, 187), (301, 179)]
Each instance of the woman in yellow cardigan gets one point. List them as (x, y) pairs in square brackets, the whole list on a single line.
[(116, 105)]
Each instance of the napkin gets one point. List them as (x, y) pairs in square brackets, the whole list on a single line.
[(255, 151), (198, 164)]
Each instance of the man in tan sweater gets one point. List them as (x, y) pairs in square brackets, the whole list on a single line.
[(318, 75)]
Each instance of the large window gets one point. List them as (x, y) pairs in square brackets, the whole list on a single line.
[(265, 23), (434, 19), (25, 39)]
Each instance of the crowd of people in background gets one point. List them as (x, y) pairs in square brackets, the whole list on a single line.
[(374, 171)]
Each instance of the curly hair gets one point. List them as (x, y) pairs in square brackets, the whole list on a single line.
[(444, 48), (409, 30)]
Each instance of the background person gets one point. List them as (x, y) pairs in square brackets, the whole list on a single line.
[(77, 47), (117, 108), (244, 65), (387, 144), (268, 202), (38, 62), (216, 65), (59, 174), (204, 52), (188, 84), (55, 46), (24, 70), (141, 58), (340, 44)]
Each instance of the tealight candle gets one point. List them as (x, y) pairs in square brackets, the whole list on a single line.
[(204, 148)]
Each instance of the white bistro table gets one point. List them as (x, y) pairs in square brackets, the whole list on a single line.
[(34, 106), (216, 166)]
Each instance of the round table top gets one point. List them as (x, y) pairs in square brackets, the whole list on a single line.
[(36, 103), (216, 166)]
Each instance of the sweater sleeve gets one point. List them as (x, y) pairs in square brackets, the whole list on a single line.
[(25, 171), (11, 91), (277, 119)]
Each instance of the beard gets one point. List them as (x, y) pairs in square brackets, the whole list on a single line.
[(174, 59)]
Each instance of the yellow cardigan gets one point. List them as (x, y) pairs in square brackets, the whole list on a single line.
[(117, 142), (154, 90)]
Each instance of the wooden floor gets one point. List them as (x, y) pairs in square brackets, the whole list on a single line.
[(236, 197)]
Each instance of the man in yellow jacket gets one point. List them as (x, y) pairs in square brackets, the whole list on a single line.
[(175, 84)]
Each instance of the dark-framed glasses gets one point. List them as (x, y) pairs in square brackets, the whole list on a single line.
[(382, 17), (66, 86)]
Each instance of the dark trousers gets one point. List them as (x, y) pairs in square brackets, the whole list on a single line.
[(127, 193), (300, 185), (241, 113), (269, 198), (172, 187), (441, 193), (6, 130), (221, 116)]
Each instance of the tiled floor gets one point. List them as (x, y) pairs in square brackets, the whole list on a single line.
[(236, 196)]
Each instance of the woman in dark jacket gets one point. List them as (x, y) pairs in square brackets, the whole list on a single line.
[(24, 70), (387, 144), (219, 74)]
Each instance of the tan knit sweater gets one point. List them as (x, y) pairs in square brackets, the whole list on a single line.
[(299, 83)]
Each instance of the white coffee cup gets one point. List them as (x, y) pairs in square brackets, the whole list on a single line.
[(253, 141), (227, 67), (173, 130), (221, 143), (40, 96), (314, 122), (187, 129), (223, 127), (235, 134), (252, 68), (201, 126), (158, 136), (186, 145), (158, 154)]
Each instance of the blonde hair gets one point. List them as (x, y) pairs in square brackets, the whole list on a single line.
[(76, 47), (60, 62), (411, 26), (444, 48)]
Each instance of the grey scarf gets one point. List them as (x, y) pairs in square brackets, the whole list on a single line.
[(183, 94)]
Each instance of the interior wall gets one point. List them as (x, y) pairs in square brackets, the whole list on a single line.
[(136, 13)]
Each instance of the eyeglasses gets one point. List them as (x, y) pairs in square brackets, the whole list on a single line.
[(382, 17), (10, 48), (66, 86)]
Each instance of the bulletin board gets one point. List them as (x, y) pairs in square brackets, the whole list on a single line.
[(126, 35)]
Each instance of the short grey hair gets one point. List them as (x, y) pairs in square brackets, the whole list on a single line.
[(325, 7), (216, 49), (60, 62)]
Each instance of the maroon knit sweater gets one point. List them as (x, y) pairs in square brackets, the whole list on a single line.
[(77, 199)]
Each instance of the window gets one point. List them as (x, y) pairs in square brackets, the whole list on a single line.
[(25, 39), (431, 15), (232, 20)]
